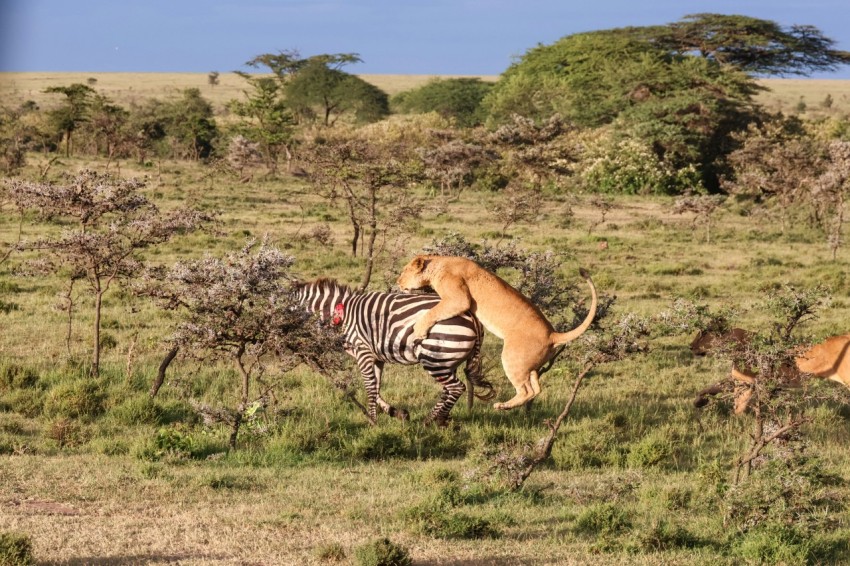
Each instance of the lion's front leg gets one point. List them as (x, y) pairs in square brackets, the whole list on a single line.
[(422, 327), (444, 310)]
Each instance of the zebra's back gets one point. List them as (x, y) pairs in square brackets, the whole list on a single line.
[(384, 323)]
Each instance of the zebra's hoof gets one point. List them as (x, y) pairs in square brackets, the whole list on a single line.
[(439, 422)]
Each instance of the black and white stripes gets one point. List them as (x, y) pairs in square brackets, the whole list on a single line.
[(378, 328)]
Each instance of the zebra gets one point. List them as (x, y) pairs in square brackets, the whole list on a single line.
[(378, 328)]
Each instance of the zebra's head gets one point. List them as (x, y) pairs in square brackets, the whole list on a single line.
[(322, 296)]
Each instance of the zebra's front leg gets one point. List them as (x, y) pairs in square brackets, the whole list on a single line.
[(366, 365), (452, 391), (400, 414)]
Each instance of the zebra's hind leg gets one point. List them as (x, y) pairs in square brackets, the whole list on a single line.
[(452, 391), (400, 414)]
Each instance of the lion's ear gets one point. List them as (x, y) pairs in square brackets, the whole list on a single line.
[(420, 263)]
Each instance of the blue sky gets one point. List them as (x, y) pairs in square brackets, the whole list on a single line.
[(391, 36)]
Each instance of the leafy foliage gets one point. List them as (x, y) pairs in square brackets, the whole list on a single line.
[(459, 99), (683, 107), (16, 549), (318, 92), (382, 552)]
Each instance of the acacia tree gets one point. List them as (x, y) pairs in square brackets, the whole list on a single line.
[(266, 119), (240, 308), (111, 222), (68, 117), (371, 177), (681, 89), (191, 125), (321, 90), (106, 127), (757, 46)]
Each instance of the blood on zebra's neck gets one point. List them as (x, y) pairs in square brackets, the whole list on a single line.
[(338, 315)]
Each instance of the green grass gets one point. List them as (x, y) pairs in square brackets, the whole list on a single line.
[(96, 471)]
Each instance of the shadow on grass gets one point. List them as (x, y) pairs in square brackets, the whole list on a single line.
[(149, 558)]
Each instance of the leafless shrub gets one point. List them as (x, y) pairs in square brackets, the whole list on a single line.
[(535, 153), (702, 207), (371, 178), (321, 234), (517, 205), (452, 163), (829, 192), (611, 341), (774, 165), (242, 155), (778, 407), (239, 308), (113, 223), (603, 205)]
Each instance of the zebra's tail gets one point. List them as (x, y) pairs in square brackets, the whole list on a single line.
[(474, 373)]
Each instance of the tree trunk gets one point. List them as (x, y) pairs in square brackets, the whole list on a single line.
[(98, 306), (160, 376), (370, 247)]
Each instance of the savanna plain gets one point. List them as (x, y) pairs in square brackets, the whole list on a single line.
[(637, 474)]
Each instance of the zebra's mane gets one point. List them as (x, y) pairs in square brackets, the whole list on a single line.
[(328, 284)]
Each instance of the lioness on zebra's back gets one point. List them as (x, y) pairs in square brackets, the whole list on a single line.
[(529, 339), (378, 328)]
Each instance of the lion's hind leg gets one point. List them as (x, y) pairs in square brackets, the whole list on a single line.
[(525, 390)]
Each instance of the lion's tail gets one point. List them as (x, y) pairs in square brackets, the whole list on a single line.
[(560, 338)]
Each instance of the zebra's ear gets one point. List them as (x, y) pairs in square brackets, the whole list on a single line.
[(421, 263)]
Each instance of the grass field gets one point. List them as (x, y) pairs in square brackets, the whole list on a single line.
[(638, 476), (126, 88)]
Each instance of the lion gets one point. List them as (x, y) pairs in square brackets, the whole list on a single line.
[(529, 339), (826, 360)]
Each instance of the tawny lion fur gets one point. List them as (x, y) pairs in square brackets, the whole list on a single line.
[(826, 360), (529, 339)]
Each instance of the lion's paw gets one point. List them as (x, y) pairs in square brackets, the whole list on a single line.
[(420, 330)]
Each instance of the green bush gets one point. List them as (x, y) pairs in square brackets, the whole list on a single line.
[(653, 450), (602, 519), (174, 444), (459, 99), (26, 402), (774, 544), (137, 410), (78, 399), (438, 520), (15, 550), (17, 377), (382, 552)]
